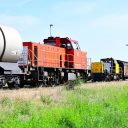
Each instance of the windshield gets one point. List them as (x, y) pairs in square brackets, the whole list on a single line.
[(75, 45)]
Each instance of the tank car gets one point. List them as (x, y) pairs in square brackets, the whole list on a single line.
[(10, 52)]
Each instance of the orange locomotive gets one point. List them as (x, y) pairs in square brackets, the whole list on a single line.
[(54, 62)]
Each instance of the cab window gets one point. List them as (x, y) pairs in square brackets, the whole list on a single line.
[(75, 45), (63, 45), (69, 46)]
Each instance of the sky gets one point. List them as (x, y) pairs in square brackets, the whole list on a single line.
[(100, 26)]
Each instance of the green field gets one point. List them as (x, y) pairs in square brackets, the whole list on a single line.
[(97, 105)]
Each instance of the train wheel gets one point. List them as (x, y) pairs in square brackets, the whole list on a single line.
[(57, 81), (32, 84), (21, 85), (12, 85), (3, 83), (51, 83), (1, 86), (35, 84), (38, 84)]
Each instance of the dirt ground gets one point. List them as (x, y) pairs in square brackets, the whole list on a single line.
[(30, 93), (35, 93)]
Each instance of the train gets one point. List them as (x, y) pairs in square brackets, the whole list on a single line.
[(53, 61), (109, 69)]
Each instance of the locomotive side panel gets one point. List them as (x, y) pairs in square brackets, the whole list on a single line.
[(97, 67), (45, 56), (76, 59), (80, 60), (84, 60)]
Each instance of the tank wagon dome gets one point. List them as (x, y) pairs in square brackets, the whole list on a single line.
[(10, 44)]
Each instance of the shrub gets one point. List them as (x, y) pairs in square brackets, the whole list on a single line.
[(73, 83), (45, 99)]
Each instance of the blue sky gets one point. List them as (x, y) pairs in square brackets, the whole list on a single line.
[(100, 26)]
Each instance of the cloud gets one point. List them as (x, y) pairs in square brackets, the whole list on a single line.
[(27, 26), (110, 21), (20, 22)]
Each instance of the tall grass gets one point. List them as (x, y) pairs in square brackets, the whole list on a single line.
[(71, 84), (105, 107)]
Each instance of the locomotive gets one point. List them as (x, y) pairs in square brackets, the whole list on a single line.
[(109, 69), (52, 62)]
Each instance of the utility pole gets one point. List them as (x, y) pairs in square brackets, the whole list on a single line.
[(51, 25)]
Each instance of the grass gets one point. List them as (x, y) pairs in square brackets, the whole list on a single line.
[(70, 85), (45, 99), (103, 105)]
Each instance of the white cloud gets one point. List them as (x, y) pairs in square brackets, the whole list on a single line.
[(27, 26), (20, 22)]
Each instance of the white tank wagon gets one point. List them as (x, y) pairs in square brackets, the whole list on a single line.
[(10, 52), (10, 44)]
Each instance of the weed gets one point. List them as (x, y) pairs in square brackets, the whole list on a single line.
[(5, 101), (65, 122), (45, 99), (70, 85), (23, 107)]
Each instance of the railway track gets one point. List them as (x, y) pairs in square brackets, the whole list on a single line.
[(87, 84)]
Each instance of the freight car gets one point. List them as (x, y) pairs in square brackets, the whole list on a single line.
[(124, 66), (109, 69)]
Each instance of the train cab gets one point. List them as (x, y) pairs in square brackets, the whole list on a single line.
[(75, 58)]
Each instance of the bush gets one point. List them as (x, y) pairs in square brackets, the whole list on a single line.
[(73, 83), (45, 99)]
